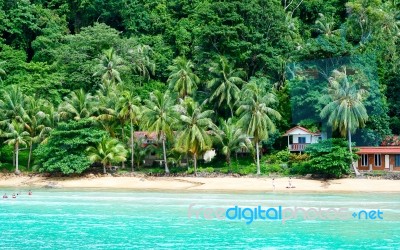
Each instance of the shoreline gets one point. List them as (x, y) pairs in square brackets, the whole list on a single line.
[(203, 184)]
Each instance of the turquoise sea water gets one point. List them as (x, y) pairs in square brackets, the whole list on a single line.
[(96, 219)]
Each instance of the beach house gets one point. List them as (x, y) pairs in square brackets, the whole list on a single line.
[(385, 158), (299, 137)]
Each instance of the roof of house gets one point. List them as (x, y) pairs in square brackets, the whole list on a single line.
[(392, 140), (379, 150), (143, 134), (289, 132)]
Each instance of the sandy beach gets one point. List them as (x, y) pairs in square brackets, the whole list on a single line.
[(224, 184)]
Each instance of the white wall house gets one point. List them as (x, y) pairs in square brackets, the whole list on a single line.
[(299, 138)]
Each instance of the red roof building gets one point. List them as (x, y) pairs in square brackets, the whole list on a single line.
[(379, 158)]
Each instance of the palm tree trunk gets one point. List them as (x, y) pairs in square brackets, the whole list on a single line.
[(30, 154), (123, 140), (16, 157), (132, 148), (195, 164), (228, 160), (165, 156), (104, 169), (351, 154), (258, 159)]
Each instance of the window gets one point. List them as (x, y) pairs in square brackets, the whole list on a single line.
[(378, 161), (397, 160), (320, 138), (302, 140), (364, 160)]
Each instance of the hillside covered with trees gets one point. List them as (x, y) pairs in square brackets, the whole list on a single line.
[(78, 78)]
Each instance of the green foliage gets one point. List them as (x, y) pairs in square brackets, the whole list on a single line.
[(107, 151), (248, 169), (77, 56), (201, 170), (65, 148), (271, 168), (51, 48), (282, 156), (330, 158)]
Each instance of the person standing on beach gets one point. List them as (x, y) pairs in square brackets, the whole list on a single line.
[(273, 183)]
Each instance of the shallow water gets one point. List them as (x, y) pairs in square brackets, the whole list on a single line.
[(94, 219)]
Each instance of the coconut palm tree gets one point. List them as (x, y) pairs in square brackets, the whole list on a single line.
[(129, 109), (2, 71), (182, 79), (345, 110), (16, 136), (140, 59), (108, 151), (108, 110), (35, 122), (12, 104), (225, 83), (256, 115), (108, 66), (197, 129), (77, 105), (233, 139), (326, 26), (159, 116)]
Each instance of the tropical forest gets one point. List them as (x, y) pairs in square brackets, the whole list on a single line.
[(195, 87)]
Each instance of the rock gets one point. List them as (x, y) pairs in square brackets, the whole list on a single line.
[(52, 185), (17, 172)]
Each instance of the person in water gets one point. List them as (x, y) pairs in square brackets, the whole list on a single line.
[(30, 192), (5, 196), (14, 196)]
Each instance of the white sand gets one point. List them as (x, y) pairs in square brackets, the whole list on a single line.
[(226, 184)]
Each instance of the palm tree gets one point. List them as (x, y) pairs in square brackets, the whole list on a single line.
[(142, 149), (108, 66), (12, 103), (108, 151), (35, 122), (182, 79), (140, 60), (326, 26), (129, 110), (2, 71), (107, 109), (225, 83), (16, 136), (256, 115), (159, 116), (77, 105), (345, 111), (233, 139), (197, 130)]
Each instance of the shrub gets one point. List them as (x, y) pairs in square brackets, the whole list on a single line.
[(249, 169), (295, 158), (271, 168), (283, 156), (330, 158), (300, 168)]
